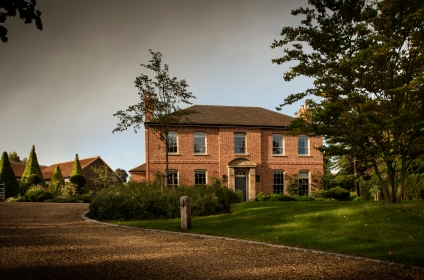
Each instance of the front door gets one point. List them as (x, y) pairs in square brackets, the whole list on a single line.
[(241, 182)]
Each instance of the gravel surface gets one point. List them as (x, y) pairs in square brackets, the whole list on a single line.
[(51, 241)]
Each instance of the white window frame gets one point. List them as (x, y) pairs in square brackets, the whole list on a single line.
[(200, 172), (172, 134), (280, 186), (199, 136), (238, 135), (282, 145), (171, 183), (307, 177), (301, 139)]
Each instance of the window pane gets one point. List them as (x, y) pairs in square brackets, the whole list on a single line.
[(200, 142), (277, 144), (239, 143), (172, 178), (303, 145), (172, 142), (200, 177), (278, 181), (304, 183)]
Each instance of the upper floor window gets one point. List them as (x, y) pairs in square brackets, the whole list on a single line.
[(199, 143), (172, 142), (303, 145), (278, 181), (200, 177), (172, 178), (304, 183), (239, 143), (277, 144)]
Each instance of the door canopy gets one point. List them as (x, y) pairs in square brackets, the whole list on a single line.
[(241, 162)]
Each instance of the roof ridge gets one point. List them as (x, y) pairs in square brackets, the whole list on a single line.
[(73, 160)]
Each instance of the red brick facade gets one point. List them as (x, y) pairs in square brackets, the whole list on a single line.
[(221, 162)]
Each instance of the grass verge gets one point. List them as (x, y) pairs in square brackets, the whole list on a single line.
[(392, 232)]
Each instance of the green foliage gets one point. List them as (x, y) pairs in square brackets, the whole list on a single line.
[(31, 168), (76, 168), (68, 191), (57, 177), (55, 189), (293, 186), (303, 198), (274, 197), (160, 99), (79, 181), (18, 198), (7, 176), (122, 174), (365, 58), (338, 193), (26, 10), (34, 179), (36, 193), (13, 157), (319, 194), (148, 201), (104, 176)]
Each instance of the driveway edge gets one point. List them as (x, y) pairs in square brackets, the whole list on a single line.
[(83, 216)]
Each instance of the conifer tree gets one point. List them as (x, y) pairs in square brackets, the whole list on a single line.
[(32, 167), (76, 169), (7, 176), (77, 176), (57, 177)]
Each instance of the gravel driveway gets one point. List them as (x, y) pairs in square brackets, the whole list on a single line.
[(51, 241)]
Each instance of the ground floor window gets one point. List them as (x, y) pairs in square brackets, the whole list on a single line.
[(172, 178), (200, 177), (304, 183), (278, 181)]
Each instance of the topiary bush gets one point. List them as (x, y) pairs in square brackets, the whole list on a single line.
[(34, 192), (274, 197), (319, 194), (303, 198), (338, 193)]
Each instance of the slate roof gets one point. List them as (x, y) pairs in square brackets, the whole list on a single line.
[(140, 168), (66, 167), (213, 115)]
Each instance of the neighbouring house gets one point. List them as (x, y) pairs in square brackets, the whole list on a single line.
[(19, 168), (86, 165), (138, 174), (247, 148)]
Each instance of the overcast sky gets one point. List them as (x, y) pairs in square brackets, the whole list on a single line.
[(59, 87)]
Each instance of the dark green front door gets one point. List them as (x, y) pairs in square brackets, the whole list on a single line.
[(241, 185)]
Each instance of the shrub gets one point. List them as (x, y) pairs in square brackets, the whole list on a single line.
[(261, 197), (18, 198), (68, 191), (352, 195), (147, 201), (358, 198), (80, 181), (34, 192), (319, 194), (422, 194), (55, 189), (304, 198), (338, 193), (7, 176), (293, 187), (44, 196)]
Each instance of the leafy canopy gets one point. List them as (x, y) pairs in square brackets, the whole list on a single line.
[(367, 62), (27, 12)]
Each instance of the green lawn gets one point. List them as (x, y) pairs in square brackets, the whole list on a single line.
[(392, 232)]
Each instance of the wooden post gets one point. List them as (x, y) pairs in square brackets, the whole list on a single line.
[(185, 208)]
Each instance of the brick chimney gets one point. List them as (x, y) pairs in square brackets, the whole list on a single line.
[(149, 108), (301, 110)]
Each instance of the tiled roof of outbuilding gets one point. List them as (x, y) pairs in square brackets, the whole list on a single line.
[(66, 167), (234, 116), (140, 168)]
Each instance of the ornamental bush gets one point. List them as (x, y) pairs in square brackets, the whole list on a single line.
[(7, 176), (34, 192), (338, 193), (148, 201)]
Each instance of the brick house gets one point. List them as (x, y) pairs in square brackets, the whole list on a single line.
[(86, 165), (247, 148), (138, 174)]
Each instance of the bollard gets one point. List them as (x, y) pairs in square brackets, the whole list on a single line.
[(185, 209)]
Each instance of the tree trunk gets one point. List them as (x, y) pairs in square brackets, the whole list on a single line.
[(381, 182), (402, 180)]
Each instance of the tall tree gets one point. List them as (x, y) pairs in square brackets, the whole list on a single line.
[(367, 62), (26, 11), (122, 174), (159, 103), (32, 168), (13, 157), (7, 176), (104, 176), (77, 176)]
